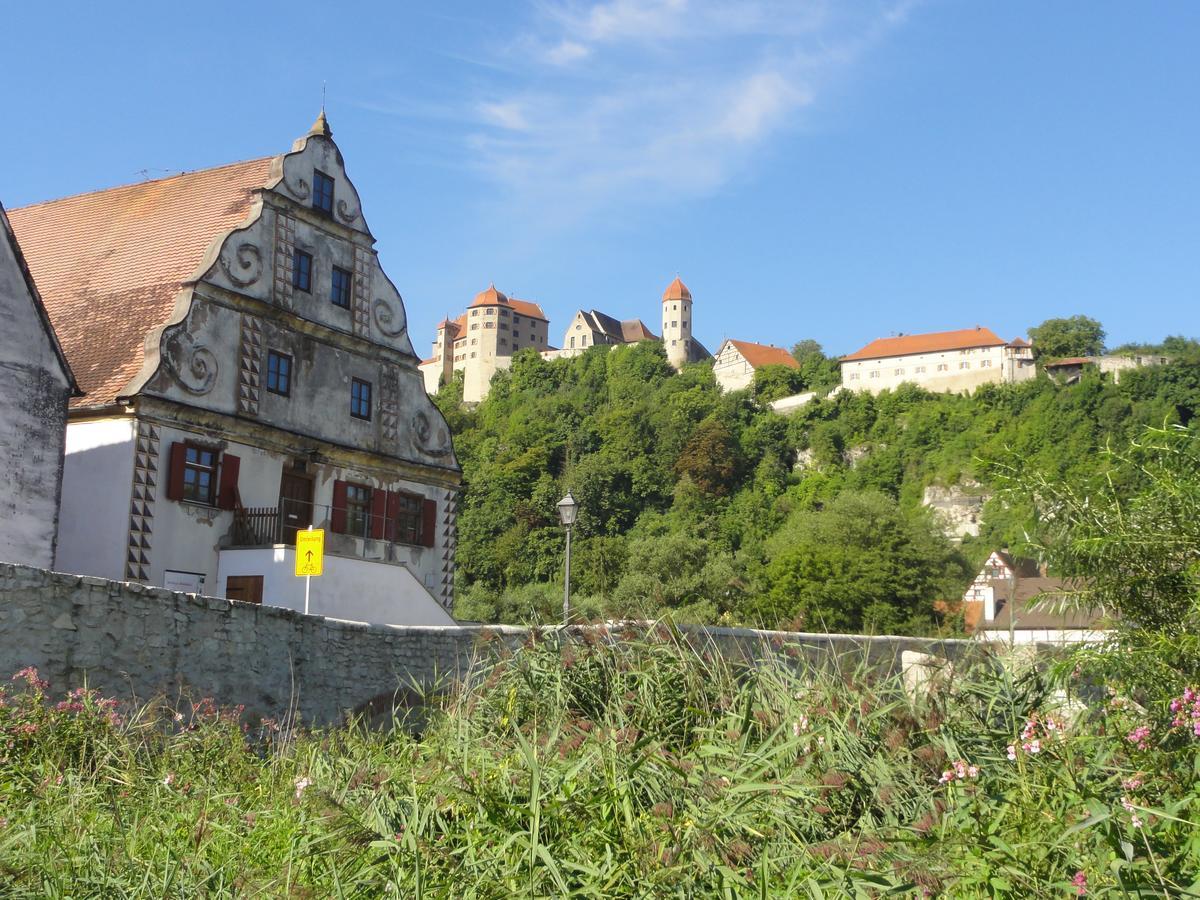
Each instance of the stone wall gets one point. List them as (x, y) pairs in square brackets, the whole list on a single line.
[(135, 643)]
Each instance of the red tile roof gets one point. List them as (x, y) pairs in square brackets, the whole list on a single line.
[(493, 297), (908, 344), (758, 355), (109, 263), (676, 290), (527, 308)]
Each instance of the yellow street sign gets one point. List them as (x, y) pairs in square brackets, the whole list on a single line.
[(310, 551)]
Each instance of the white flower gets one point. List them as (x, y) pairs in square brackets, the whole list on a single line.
[(301, 784), (167, 782)]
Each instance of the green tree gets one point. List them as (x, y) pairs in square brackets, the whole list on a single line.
[(859, 564), (1074, 336), (711, 458)]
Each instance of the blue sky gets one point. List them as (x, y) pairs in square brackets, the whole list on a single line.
[(833, 170)]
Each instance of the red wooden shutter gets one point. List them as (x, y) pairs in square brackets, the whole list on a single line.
[(175, 471), (393, 513), (227, 491), (428, 522), (337, 516), (378, 513)]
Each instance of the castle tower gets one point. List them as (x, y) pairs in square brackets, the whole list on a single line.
[(677, 323)]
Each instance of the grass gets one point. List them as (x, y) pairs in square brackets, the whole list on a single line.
[(629, 769)]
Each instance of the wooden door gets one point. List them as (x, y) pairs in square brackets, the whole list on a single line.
[(295, 504), (247, 588)]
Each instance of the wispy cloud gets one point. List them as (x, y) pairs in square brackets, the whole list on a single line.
[(601, 103)]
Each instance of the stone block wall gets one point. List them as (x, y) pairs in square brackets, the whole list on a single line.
[(135, 643)]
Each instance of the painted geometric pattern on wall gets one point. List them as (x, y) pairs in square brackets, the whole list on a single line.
[(141, 503), (250, 355), (389, 404), (362, 292), (449, 542), (285, 247)]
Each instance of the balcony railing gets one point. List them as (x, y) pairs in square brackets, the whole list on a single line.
[(261, 526), (256, 526)]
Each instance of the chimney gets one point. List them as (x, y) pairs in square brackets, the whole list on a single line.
[(989, 603)]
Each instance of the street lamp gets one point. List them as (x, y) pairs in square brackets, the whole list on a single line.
[(567, 510)]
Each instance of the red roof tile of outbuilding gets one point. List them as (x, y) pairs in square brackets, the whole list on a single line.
[(758, 355), (908, 344)]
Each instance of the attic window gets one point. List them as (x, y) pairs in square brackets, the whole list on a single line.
[(322, 192)]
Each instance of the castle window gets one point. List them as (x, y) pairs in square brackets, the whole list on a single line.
[(474, 326), (854, 376), (875, 373), (339, 288), (673, 343), (490, 312), (360, 398), (504, 313), (503, 342), (474, 341), (302, 271), (279, 373), (942, 367), (674, 324), (472, 354), (985, 364), (474, 312), (322, 192), (572, 342), (964, 365), (199, 474), (489, 324), (516, 319), (920, 370), (899, 372)]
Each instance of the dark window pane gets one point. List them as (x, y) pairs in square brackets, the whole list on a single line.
[(302, 271), (339, 287), (322, 192), (279, 373), (360, 399)]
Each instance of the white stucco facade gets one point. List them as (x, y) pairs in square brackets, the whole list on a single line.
[(947, 369), (361, 590)]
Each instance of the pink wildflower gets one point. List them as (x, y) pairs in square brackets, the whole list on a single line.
[(801, 726), (1132, 784), (1140, 737), (1012, 752), (1080, 883)]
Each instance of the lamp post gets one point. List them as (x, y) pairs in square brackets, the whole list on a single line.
[(567, 510)]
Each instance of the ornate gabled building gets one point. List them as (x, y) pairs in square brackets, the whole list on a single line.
[(482, 341), (248, 373), (35, 385)]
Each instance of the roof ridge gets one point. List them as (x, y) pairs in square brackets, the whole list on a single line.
[(131, 184)]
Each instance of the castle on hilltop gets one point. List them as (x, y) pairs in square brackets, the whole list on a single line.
[(483, 339)]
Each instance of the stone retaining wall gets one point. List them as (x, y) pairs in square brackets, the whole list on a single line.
[(137, 642)]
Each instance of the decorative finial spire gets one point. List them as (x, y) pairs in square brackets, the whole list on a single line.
[(321, 126)]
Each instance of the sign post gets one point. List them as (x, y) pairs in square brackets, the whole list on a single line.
[(310, 557)]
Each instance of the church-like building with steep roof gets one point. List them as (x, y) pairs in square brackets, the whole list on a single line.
[(248, 373)]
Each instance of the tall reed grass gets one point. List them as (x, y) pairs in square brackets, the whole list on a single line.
[(640, 768)]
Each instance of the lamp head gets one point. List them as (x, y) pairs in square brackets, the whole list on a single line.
[(568, 508)]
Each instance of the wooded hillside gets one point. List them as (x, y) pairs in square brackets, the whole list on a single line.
[(714, 508)]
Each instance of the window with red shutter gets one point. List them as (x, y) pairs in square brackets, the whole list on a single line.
[(227, 491), (337, 515), (175, 470), (428, 523), (378, 513)]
